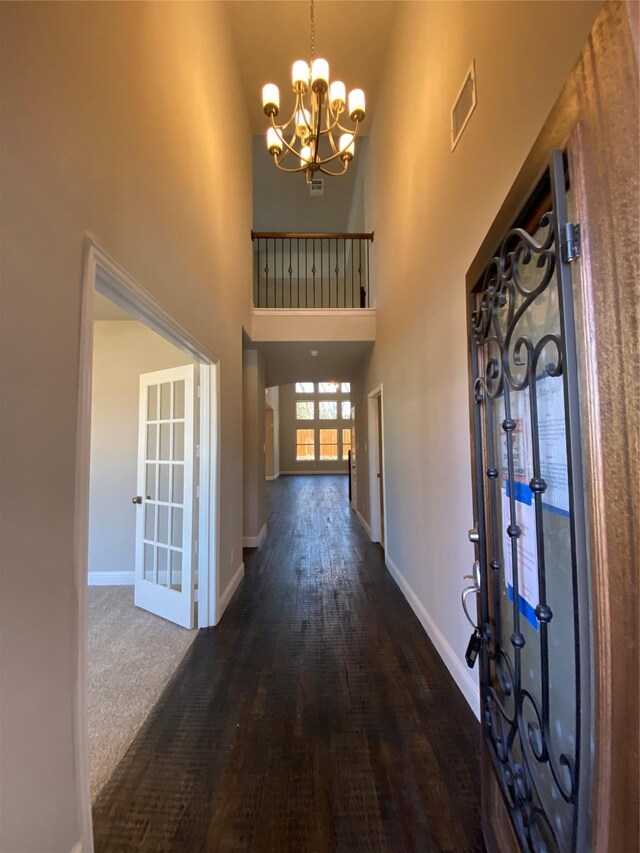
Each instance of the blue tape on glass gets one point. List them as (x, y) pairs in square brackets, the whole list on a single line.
[(521, 492), (526, 609)]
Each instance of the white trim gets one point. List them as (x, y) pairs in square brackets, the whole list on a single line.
[(313, 312), (275, 476), (227, 595), (104, 274), (77, 848), (304, 473), (81, 549), (209, 515), (362, 521), (468, 686), (112, 578), (255, 541)]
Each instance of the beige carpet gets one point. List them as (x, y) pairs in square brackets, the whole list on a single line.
[(130, 657)]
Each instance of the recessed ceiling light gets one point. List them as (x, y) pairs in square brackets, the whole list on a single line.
[(314, 353)]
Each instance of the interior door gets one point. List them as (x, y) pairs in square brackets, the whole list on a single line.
[(529, 532), (165, 501)]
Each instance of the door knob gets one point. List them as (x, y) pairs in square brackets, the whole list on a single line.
[(137, 499), (474, 536)]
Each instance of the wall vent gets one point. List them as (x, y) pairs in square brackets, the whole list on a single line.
[(463, 106), (316, 186)]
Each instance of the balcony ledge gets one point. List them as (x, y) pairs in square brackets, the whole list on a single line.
[(313, 324)]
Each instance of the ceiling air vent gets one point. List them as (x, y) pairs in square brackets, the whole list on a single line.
[(464, 105), (316, 186)]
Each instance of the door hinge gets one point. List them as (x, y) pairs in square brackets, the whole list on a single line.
[(570, 243)]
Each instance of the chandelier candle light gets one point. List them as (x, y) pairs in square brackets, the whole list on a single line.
[(316, 99)]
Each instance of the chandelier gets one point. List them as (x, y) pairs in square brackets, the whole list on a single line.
[(310, 134)]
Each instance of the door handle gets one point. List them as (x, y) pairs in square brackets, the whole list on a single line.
[(137, 499), (475, 577), (472, 588)]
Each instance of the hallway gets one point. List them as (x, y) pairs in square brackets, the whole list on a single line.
[(316, 717)]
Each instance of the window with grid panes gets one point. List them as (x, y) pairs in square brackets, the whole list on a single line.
[(324, 437)]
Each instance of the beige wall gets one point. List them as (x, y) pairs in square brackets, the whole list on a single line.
[(289, 425), (430, 209), (253, 388), (114, 122), (121, 352)]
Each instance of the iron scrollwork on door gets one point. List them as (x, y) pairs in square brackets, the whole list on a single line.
[(534, 602)]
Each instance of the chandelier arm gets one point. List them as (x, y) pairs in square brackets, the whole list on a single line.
[(282, 128), (337, 154), (349, 129), (333, 126), (291, 171), (335, 174)]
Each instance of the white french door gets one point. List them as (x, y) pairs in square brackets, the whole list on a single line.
[(165, 498)]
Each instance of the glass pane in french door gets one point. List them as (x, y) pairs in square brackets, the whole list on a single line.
[(164, 496)]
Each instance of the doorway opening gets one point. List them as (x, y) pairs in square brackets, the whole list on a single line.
[(147, 507), (377, 500)]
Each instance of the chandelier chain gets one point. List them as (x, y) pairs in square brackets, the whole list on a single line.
[(313, 32)]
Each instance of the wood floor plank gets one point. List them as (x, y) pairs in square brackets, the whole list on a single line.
[(317, 717)]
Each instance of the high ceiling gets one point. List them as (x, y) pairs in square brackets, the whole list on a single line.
[(291, 361), (352, 36)]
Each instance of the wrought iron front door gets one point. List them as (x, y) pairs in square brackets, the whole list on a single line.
[(535, 660)]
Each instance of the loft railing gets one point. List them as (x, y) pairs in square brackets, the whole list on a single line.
[(298, 270)]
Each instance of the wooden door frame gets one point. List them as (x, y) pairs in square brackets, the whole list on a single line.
[(376, 455), (596, 121), (102, 273)]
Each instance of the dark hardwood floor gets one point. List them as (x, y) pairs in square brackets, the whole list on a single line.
[(316, 717)]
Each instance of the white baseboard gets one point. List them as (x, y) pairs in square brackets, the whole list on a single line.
[(112, 578), (255, 541), (362, 521), (275, 476), (461, 674), (304, 473), (227, 595)]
